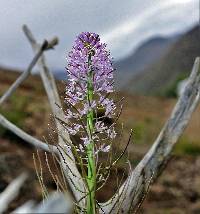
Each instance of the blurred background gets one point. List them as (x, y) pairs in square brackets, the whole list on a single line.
[(153, 43)]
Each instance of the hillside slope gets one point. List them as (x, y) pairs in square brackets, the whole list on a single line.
[(145, 55), (175, 65)]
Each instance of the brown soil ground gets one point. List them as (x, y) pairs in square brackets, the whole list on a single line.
[(176, 191)]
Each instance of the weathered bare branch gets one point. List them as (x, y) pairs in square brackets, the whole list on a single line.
[(11, 192), (46, 75), (27, 207), (133, 190), (26, 137), (51, 90), (57, 202), (45, 46)]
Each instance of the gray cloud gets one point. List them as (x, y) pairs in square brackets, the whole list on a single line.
[(122, 24)]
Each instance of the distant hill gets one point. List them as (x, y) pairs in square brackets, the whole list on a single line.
[(175, 65), (144, 56)]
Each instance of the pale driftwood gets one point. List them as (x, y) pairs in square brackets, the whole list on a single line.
[(11, 192), (56, 203), (45, 46), (135, 187), (25, 208), (26, 137), (67, 161)]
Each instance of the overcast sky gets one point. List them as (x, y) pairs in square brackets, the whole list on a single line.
[(123, 25)]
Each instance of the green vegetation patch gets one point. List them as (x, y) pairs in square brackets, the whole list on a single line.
[(139, 131), (171, 90), (187, 147), (15, 111)]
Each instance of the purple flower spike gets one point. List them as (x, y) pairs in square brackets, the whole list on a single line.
[(87, 56)]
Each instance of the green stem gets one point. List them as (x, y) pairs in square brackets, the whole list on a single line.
[(91, 176)]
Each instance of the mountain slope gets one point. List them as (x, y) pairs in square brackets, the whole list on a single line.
[(145, 55), (176, 64)]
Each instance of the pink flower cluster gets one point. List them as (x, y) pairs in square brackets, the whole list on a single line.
[(87, 56)]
